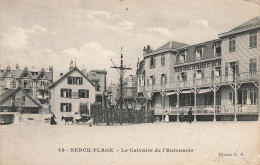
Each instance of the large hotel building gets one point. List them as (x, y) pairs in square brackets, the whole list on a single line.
[(218, 79)]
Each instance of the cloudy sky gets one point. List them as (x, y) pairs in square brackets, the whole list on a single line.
[(42, 33)]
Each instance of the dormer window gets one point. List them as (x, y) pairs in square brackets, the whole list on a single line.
[(217, 49), (182, 56), (199, 53)]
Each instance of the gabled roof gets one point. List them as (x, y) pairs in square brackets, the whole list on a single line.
[(6, 70), (68, 73), (171, 45), (251, 22), (10, 92)]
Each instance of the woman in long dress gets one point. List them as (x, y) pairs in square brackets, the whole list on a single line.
[(166, 117), (53, 122)]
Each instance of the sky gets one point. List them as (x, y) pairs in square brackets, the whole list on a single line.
[(42, 33)]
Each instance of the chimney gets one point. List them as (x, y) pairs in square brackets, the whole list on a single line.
[(16, 66), (148, 48), (61, 74)]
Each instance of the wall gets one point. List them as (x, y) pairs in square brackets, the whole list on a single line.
[(158, 70), (243, 53)]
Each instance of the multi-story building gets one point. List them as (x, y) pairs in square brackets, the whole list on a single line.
[(129, 90), (32, 81), (218, 79), (72, 92), (98, 77)]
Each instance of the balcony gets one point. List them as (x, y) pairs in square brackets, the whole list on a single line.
[(209, 110), (246, 77)]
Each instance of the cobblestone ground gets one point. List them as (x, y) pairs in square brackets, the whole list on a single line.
[(204, 142)]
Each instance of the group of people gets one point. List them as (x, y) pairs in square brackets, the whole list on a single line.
[(182, 118)]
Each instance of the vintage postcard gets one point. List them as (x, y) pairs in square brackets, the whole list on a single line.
[(128, 82)]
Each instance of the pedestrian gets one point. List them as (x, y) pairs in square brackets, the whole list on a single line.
[(189, 115), (182, 116), (166, 117), (53, 117)]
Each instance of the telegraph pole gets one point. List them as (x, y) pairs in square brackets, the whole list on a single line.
[(121, 69)]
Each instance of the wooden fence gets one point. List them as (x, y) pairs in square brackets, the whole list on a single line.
[(111, 116)]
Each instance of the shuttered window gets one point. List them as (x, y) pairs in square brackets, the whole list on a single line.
[(253, 39), (252, 65), (65, 92), (65, 107), (232, 44)]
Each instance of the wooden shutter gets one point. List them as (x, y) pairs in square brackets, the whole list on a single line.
[(70, 93), (154, 62), (87, 93), (61, 107), (178, 76), (202, 73), (194, 74), (61, 92)]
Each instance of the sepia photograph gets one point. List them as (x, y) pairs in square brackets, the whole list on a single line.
[(129, 82)]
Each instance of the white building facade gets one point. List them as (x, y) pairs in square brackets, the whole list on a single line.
[(73, 92)]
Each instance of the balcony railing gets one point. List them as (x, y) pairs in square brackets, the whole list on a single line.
[(208, 109), (206, 82)]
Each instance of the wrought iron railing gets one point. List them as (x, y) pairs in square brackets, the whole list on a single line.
[(206, 82)]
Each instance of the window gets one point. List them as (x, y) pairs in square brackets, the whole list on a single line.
[(152, 80), (83, 93), (79, 80), (182, 57), (65, 107), (199, 53), (231, 100), (163, 79), (252, 68), (253, 96), (70, 80), (217, 72), (152, 62), (65, 92), (182, 76), (162, 60), (244, 97), (23, 98), (232, 44), (253, 39), (75, 80), (198, 74), (217, 49)]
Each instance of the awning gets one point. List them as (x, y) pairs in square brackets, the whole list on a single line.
[(170, 93), (204, 90), (186, 91)]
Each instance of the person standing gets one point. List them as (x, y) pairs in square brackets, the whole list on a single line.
[(182, 116), (166, 117), (189, 115), (53, 117)]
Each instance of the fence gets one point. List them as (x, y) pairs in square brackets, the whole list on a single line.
[(113, 116)]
